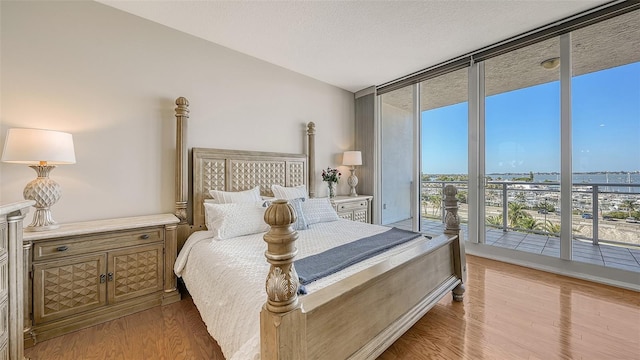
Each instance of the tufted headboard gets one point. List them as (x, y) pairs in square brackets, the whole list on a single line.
[(230, 170), (236, 170)]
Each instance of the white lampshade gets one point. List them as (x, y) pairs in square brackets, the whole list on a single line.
[(33, 146), (352, 158), (42, 150)]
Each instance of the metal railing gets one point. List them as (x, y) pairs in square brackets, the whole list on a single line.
[(591, 202)]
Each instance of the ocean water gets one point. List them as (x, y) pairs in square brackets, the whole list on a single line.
[(618, 179), (618, 183)]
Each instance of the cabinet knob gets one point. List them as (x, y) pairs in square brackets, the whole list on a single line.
[(144, 236), (62, 248), (110, 276), (103, 278)]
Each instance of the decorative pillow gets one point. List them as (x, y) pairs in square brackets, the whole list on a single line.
[(319, 210), (289, 193), (227, 197), (236, 219), (301, 221)]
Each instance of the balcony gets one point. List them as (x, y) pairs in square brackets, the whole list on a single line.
[(598, 237)]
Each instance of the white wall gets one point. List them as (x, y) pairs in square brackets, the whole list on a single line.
[(111, 78)]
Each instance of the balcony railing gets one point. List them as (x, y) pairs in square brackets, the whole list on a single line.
[(602, 212)]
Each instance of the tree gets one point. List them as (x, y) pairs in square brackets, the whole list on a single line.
[(529, 223), (545, 205), (630, 205), (495, 220), (462, 196), (516, 213), (436, 202), (520, 197), (551, 228)]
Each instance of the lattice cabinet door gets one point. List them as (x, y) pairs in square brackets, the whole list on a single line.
[(346, 215), (134, 271), (361, 215), (67, 287)]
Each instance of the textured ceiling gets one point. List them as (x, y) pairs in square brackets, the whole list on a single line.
[(610, 43), (353, 44)]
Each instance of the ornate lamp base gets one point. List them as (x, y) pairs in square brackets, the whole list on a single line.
[(353, 181), (42, 221), (45, 192)]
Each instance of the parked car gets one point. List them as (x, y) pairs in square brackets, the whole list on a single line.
[(587, 216), (631, 220), (543, 211)]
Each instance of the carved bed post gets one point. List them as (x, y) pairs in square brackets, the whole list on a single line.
[(182, 177), (280, 328), (311, 133), (452, 228)]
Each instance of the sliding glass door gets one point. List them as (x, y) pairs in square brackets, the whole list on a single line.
[(522, 149), (444, 143)]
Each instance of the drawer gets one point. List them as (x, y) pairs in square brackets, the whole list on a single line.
[(83, 244), (353, 205)]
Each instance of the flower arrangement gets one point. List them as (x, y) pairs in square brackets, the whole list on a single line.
[(331, 175)]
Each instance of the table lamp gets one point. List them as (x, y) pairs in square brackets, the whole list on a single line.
[(42, 150), (352, 158)]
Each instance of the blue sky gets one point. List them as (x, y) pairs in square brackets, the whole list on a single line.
[(523, 127)]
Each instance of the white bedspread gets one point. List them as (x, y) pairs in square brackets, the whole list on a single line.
[(226, 278)]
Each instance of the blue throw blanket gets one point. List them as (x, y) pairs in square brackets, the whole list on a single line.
[(317, 266)]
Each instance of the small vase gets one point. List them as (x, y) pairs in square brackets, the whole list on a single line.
[(332, 189)]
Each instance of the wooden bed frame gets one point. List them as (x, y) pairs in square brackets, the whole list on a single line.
[(355, 318)]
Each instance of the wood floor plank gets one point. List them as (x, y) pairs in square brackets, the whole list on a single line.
[(512, 312), (509, 312)]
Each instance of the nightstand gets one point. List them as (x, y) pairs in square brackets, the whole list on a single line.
[(356, 208), (86, 273)]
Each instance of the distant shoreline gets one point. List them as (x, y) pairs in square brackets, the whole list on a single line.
[(545, 173), (575, 173), (609, 182)]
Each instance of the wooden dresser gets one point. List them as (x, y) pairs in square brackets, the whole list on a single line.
[(11, 279), (86, 273), (356, 208)]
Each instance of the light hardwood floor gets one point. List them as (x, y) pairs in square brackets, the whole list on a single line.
[(509, 312)]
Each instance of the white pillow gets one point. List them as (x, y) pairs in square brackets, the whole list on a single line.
[(289, 193), (236, 219), (319, 210), (227, 197)]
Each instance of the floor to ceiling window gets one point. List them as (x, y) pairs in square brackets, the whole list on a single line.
[(550, 135), (522, 149), (444, 143), (605, 90)]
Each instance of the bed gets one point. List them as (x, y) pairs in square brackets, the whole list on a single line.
[(247, 292)]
